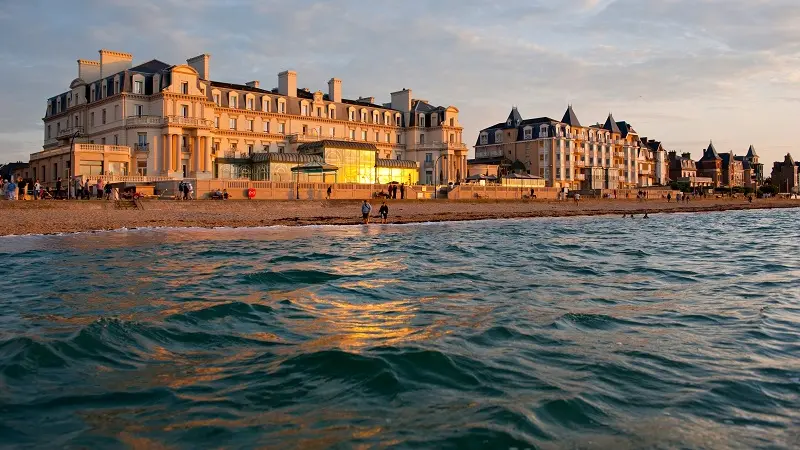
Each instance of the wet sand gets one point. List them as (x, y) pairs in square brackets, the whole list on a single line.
[(48, 217)]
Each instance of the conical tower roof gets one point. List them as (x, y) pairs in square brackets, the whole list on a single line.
[(611, 125), (514, 118), (570, 118), (751, 152), (710, 153)]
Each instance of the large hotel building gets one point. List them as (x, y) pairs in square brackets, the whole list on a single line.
[(158, 121), (569, 155)]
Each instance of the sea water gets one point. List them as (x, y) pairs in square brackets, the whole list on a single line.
[(679, 331)]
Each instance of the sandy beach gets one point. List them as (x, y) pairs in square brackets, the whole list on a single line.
[(47, 217)]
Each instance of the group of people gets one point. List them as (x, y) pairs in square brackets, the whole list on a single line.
[(366, 210), (185, 190), (679, 197)]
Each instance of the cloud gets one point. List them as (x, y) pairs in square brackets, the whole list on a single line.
[(682, 71)]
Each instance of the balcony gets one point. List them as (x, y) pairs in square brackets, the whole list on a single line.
[(139, 121), (580, 177), (236, 154), (67, 132), (436, 145), (579, 163), (190, 122), (427, 165), (84, 148), (141, 147)]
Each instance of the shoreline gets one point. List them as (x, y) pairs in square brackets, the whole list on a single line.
[(41, 218)]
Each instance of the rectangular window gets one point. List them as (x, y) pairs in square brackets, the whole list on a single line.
[(216, 122), (104, 116), (91, 119), (249, 125), (142, 139), (116, 112), (141, 168), (216, 99), (185, 110), (48, 132), (249, 149), (352, 115), (185, 88), (363, 135), (266, 127), (333, 132), (282, 107), (139, 110), (138, 87), (377, 137), (250, 104), (305, 110), (232, 124), (398, 138), (305, 129), (353, 134), (103, 141), (233, 101), (428, 157), (388, 138), (282, 128), (116, 139), (319, 112)]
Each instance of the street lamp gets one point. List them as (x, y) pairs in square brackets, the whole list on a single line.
[(70, 181), (435, 185)]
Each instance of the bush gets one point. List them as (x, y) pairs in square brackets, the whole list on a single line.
[(768, 189)]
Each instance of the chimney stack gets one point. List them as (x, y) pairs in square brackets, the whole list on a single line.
[(401, 100), (252, 84), (335, 90), (200, 64), (112, 62), (88, 71), (287, 83)]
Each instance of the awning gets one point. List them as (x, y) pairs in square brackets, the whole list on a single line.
[(315, 167)]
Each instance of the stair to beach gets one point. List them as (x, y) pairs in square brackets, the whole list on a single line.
[(127, 204)]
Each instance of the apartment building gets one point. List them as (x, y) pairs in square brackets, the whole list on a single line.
[(159, 120), (568, 154)]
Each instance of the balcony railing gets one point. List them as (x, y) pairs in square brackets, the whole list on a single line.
[(236, 154), (137, 121), (579, 164), (580, 177), (141, 147), (99, 148), (196, 122), (436, 145), (66, 132)]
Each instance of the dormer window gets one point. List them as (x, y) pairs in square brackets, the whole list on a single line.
[(265, 101), (484, 138), (421, 120), (351, 114), (138, 87), (185, 88), (528, 133), (363, 115), (397, 120), (498, 137), (375, 117)]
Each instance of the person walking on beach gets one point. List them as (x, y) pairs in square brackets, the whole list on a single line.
[(384, 212), (366, 209)]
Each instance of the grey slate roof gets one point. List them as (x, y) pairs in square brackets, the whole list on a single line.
[(611, 125), (152, 66), (751, 152), (710, 153), (570, 118), (381, 162), (319, 145)]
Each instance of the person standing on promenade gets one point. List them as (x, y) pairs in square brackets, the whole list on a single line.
[(402, 191), (108, 191), (37, 188), (11, 189), (366, 209), (328, 193), (86, 191), (22, 185), (58, 188), (99, 188), (189, 190), (577, 198), (384, 212)]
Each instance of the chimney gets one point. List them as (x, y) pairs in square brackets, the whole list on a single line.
[(287, 83), (112, 62), (88, 71), (252, 84), (401, 100), (200, 64), (335, 90), (366, 99)]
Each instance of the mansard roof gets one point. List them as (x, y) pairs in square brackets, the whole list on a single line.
[(570, 118), (611, 125), (710, 153), (152, 66)]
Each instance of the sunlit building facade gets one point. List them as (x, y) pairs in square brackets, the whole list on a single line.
[(567, 154), (173, 121)]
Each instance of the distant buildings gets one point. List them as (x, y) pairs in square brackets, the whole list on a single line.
[(785, 174), (567, 154)]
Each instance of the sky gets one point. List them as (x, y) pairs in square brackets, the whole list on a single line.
[(683, 72)]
